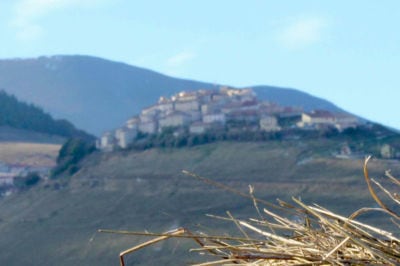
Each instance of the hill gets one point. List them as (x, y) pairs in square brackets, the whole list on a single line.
[(56, 221), (31, 120), (30, 140), (98, 95)]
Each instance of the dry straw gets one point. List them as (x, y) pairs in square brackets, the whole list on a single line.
[(320, 238)]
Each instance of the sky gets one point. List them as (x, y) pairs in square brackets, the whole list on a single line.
[(347, 52)]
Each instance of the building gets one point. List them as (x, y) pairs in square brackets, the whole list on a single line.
[(248, 116), (165, 105), (6, 179), (228, 109), (199, 128), (214, 118), (317, 119), (133, 123), (125, 136), (149, 127), (195, 116), (208, 108), (240, 106), (269, 123), (107, 141), (148, 117), (175, 119), (150, 111), (185, 96), (343, 121), (320, 118), (187, 106)]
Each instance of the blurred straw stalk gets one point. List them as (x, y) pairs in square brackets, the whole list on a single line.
[(317, 237)]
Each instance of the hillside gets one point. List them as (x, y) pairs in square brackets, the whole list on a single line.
[(30, 140), (31, 120), (55, 223), (98, 95)]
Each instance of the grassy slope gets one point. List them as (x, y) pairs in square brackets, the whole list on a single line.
[(146, 190)]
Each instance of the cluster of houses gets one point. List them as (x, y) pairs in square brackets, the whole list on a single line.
[(9, 171), (203, 110)]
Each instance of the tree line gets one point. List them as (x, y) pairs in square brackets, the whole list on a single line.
[(21, 115)]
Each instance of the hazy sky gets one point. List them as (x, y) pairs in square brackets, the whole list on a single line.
[(347, 52)]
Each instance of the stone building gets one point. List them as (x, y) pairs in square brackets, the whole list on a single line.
[(125, 136), (165, 105), (133, 122), (186, 106), (107, 141), (175, 119), (214, 118), (343, 121), (317, 119), (269, 123), (148, 127)]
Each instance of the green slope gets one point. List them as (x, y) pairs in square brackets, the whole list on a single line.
[(55, 223)]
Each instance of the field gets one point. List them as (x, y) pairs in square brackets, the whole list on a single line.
[(56, 222), (18, 146), (26, 153)]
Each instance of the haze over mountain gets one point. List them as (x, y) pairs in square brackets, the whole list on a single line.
[(98, 95)]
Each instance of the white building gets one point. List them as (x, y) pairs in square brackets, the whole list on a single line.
[(6, 179), (240, 106), (185, 96), (212, 107), (165, 105), (187, 106), (125, 136), (317, 119), (150, 111), (148, 127), (133, 123), (107, 141), (269, 123), (175, 119), (195, 116), (148, 117), (214, 118), (344, 121)]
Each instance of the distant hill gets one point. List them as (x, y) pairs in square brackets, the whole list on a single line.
[(20, 121), (292, 97), (98, 95)]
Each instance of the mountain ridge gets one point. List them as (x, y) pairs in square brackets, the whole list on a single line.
[(292, 97), (98, 94)]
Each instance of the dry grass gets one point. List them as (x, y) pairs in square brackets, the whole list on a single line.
[(29, 153), (316, 236)]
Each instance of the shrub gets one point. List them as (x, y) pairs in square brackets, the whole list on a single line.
[(25, 182), (70, 154)]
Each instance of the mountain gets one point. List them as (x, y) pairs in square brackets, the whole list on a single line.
[(98, 95), (19, 119), (292, 97)]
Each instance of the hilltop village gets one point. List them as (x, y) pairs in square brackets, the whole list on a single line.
[(232, 109)]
